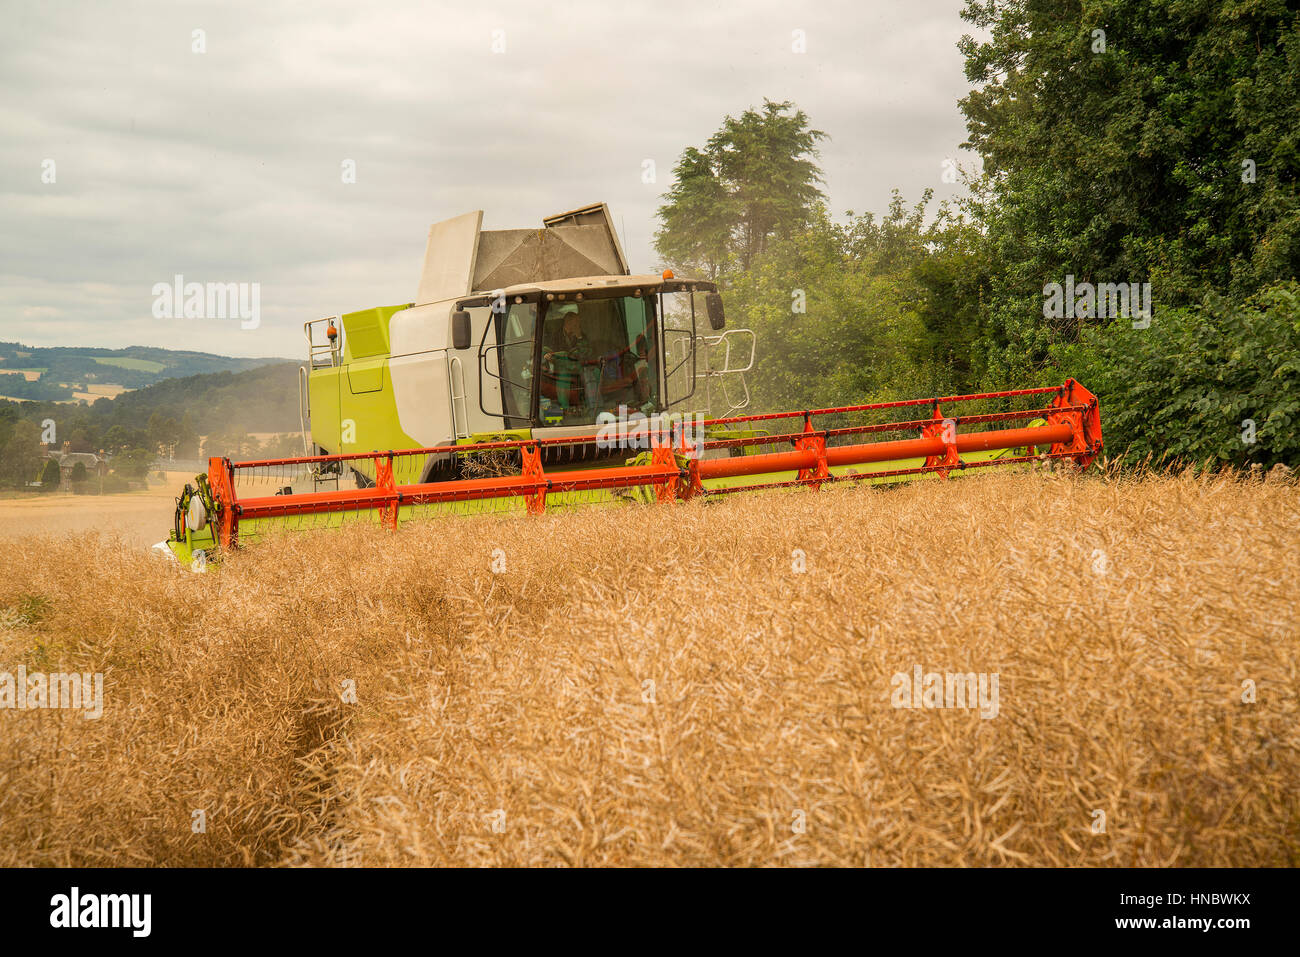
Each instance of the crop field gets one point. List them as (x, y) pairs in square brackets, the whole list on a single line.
[(134, 519), (697, 684), (126, 362), (96, 391)]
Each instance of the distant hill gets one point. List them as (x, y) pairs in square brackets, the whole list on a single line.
[(262, 399), (63, 373)]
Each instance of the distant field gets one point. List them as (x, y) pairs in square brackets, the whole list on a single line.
[(700, 684), (94, 390), (77, 397), (99, 390), (31, 375), (16, 398), (139, 518), (141, 365)]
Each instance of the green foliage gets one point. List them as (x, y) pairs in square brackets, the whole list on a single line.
[(882, 315), (82, 440), (79, 474), (8, 416), (839, 350), (170, 415), (164, 433), (21, 457), (132, 464), (114, 483), (1115, 165), (43, 390), (120, 437), (1126, 164), (697, 219), (232, 441), (51, 476), (132, 367), (1184, 388), (187, 438), (755, 180), (260, 400)]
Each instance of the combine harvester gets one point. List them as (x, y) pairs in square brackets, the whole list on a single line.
[(533, 371)]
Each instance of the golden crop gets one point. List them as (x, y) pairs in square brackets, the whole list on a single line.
[(655, 685)]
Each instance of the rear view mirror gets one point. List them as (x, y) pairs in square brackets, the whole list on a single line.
[(460, 331), (713, 302)]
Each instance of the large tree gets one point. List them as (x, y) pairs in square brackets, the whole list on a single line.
[(877, 308), (21, 456), (1131, 141), (755, 180), (121, 437), (51, 476), (187, 438)]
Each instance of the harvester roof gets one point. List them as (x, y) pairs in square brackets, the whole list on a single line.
[(461, 257), (616, 285)]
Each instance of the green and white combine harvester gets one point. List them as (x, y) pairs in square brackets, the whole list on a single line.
[(533, 370)]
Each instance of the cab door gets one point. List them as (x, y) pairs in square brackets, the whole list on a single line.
[(678, 330), (507, 364)]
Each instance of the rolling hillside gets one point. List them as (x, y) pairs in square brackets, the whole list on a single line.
[(68, 374), (260, 400)]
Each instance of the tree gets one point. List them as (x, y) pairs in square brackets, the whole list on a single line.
[(1218, 382), (8, 418), (232, 441), (133, 463), (857, 312), (755, 180), (155, 431), (81, 440), (1130, 142), (187, 438), (21, 457), (51, 476), (120, 437), (79, 476), (698, 218), (163, 434)]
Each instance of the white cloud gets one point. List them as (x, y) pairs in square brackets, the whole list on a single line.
[(225, 166)]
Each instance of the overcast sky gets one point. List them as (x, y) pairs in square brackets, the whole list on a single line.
[(227, 165)]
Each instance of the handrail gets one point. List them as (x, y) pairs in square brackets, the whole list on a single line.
[(331, 349), (304, 407)]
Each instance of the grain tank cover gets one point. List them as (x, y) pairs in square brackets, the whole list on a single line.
[(462, 258)]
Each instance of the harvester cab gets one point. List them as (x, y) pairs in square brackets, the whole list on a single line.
[(523, 333)]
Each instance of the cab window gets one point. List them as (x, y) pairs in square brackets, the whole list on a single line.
[(517, 336), (597, 355)]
